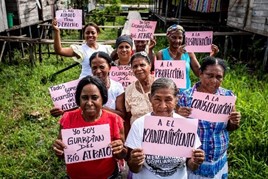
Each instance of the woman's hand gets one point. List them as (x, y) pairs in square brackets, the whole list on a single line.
[(234, 121), (183, 111), (214, 50), (56, 112), (182, 49), (198, 156), (152, 44), (54, 25), (117, 146), (137, 157), (58, 147), (235, 117), (136, 160)]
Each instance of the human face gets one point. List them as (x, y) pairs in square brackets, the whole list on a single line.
[(91, 34), (211, 78), (175, 39), (163, 102), (100, 68), (140, 45), (90, 102), (124, 50), (141, 68)]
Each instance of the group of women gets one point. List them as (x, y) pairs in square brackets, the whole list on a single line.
[(102, 100)]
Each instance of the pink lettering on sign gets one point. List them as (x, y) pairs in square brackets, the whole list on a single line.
[(87, 143), (210, 107), (142, 30), (198, 41), (173, 69), (122, 74), (69, 18), (173, 137), (63, 95)]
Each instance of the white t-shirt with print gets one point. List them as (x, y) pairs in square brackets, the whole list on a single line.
[(115, 90), (156, 167)]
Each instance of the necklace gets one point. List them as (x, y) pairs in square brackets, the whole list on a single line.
[(172, 54)]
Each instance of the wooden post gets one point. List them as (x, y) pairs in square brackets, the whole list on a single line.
[(2, 51), (39, 45), (180, 6), (264, 64), (9, 49), (166, 13), (31, 52), (225, 47), (22, 46)]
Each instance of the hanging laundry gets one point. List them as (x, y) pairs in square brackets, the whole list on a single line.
[(205, 5)]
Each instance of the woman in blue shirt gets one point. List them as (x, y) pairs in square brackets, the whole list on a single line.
[(214, 136)]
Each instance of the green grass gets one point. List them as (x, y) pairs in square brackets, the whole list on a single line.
[(27, 130), (26, 138)]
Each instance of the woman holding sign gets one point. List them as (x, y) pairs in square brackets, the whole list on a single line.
[(90, 161), (137, 101), (214, 136), (163, 99), (176, 51), (81, 53), (100, 63)]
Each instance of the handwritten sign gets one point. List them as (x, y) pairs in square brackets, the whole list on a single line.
[(198, 41), (69, 18), (87, 143), (213, 108), (142, 30), (63, 95), (166, 136), (173, 69), (123, 74)]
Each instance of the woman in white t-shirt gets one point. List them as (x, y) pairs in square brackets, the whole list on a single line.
[(100, 63), (163, 99), (81, 53)]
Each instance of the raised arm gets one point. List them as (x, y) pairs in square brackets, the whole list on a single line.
[(66, 51), (195, 66), (159, 55)]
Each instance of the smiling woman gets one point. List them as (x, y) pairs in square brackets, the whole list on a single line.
[(124, 47), (91, 95), (81, 53)]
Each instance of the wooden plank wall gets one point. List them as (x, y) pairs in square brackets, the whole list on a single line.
[(28, 12), (25, 11), (3, 16), (249, 15), (47, 9)]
